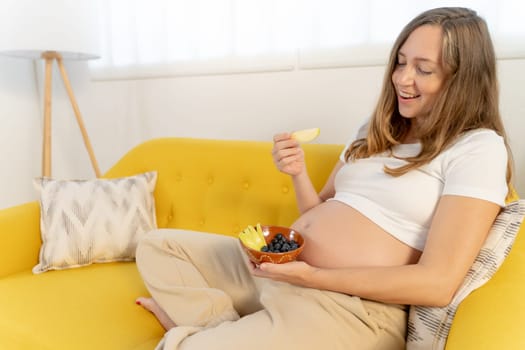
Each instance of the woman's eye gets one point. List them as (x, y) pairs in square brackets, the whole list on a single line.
[(424, 71)]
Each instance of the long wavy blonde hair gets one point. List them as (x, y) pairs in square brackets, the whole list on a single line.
[(468, 100)]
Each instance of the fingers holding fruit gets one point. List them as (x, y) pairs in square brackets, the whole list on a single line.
[(284, 142), (287, 154), (288, 157), (277, 138), (292, 163)]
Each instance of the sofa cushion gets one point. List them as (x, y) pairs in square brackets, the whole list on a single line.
[(428, 327), (87, 221), (88, 308)]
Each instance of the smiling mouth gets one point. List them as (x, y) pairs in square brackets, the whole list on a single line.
[(406, 96)]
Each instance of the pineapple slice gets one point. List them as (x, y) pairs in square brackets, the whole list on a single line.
[(253, 237)]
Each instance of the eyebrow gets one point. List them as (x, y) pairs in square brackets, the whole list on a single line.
[(424, 59)]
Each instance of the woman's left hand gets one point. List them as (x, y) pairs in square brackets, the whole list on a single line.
[(294, 272)]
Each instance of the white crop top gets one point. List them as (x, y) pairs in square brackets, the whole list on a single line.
[(474, 166)]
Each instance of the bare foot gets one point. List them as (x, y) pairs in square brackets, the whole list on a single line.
[(152, 306)]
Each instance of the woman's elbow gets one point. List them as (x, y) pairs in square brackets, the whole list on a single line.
[(443, 300), (440, 296)]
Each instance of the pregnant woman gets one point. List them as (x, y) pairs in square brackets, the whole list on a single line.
[(399, 221)]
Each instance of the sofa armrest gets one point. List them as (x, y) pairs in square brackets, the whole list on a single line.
[(19, 238), (492, 317)]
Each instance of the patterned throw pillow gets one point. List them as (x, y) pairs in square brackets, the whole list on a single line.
[(91, 221), (428, 327)]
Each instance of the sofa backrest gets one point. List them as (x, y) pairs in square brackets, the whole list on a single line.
[(221, 185)]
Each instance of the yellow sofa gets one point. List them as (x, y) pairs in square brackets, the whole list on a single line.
[(205, 185)]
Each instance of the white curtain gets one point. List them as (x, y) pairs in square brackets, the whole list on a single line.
[(147, 38)]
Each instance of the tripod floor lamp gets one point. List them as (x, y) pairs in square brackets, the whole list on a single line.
[(52, 30)]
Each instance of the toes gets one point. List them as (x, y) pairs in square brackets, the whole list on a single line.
[(142, 301)]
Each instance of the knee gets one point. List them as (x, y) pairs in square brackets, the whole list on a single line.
[(145, 244)]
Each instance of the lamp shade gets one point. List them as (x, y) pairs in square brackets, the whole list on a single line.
[(30, 27)]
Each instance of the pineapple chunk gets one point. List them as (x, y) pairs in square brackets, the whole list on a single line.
[(253, 237)]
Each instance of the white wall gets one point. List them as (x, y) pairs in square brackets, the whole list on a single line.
[(121, 114), (240, 106), (20, 126), (512, 102), (255, 106)]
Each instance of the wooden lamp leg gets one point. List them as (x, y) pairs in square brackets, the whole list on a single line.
[(46, 146), (80, 121), (49, 56)]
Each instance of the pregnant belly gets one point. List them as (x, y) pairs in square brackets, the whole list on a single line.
[(337, 235)]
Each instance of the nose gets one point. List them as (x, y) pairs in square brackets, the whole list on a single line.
[(404, 76)]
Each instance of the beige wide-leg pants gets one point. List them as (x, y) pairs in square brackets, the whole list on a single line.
[(203, 283)]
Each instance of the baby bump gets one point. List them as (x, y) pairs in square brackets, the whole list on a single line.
[(336, 235)]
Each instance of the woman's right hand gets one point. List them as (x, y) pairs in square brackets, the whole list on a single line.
[(287, 155)]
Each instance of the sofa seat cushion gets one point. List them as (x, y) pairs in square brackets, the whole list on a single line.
[(91, 307)]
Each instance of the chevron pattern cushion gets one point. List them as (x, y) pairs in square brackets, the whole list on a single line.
[(428, 327), (92, 221)]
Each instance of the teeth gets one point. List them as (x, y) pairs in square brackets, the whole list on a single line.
[(405, 95)]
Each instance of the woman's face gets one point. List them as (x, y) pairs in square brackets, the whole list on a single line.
[(419, 74)]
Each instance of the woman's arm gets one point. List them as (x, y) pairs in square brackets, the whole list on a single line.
[(458, 231), (288, 157)]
